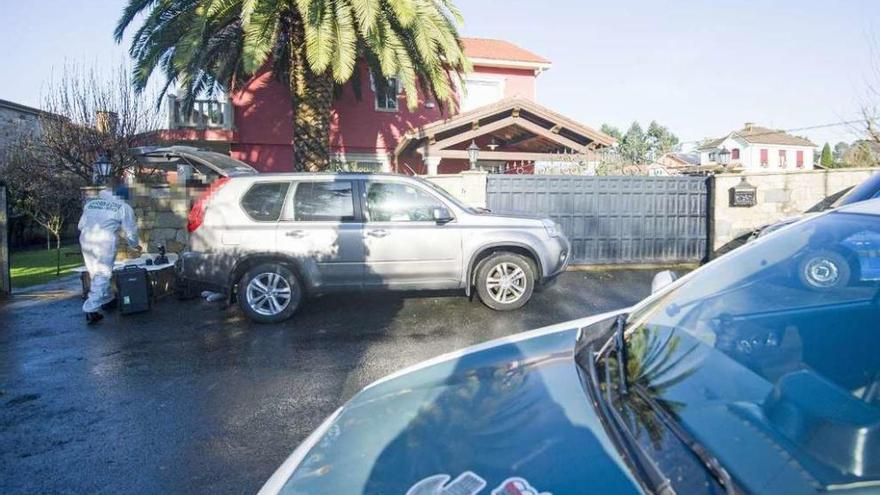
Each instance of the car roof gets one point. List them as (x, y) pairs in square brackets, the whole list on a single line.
[(869, 207), (306, 175)]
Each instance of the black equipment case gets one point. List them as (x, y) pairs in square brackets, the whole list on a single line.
[(133, 289)]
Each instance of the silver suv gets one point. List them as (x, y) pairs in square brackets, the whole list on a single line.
[(269, 239)]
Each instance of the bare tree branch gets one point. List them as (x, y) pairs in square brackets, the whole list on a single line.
[(89, 113)]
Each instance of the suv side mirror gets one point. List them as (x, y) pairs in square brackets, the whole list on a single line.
[(441, 215), (662, 279)]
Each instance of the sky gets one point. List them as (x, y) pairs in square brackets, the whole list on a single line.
[(701, 68)]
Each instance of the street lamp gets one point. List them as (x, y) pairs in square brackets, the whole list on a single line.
[(724, 157), (101, 169), (473, 153)]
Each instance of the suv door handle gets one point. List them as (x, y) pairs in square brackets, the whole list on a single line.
[(295, 233), (377, 233)]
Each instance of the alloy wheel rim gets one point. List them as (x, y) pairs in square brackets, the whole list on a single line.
[(268, 294), (822, 272), (506, 283)]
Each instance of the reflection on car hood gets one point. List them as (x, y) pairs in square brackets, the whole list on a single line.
[(513, 413), (773, 227)]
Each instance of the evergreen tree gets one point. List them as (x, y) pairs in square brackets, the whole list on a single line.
[(660, 140), (634, 145), (612, 131), (827, 159)]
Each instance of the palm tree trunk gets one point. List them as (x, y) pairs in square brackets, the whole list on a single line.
[(312, 100)]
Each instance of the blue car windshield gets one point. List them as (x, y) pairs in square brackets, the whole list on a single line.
[(770, 356)]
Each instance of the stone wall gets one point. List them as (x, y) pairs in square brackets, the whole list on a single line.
[(16, 121), (162, 211), (468, 187), (779, 195)]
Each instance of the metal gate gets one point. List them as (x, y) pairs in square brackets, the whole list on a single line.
[(614, 219)]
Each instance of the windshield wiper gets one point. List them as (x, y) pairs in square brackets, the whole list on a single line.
[(620, 347), (644, 467), (710, 461)]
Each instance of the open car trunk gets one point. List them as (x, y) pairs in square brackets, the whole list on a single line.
[(209, 163)]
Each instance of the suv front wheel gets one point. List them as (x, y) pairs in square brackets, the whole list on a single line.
[(269, 293), (505, 281)]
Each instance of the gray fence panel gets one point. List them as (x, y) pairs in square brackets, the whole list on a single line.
[(614, 219)]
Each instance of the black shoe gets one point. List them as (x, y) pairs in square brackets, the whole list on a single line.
[(92, 318), (110, 306)]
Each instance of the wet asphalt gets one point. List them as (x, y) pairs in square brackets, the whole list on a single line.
[(192, 398)]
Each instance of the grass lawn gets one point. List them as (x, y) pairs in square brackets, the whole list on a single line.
[(37, 266)]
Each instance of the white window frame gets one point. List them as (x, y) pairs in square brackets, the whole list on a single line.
[(375, 89), (462, 85)]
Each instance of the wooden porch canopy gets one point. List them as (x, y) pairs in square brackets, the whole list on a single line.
[(512, 129)]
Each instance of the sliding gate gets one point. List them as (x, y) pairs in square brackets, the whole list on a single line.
[(609, 220)]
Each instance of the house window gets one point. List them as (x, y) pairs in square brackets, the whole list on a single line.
[(800, 159), (783, 159), (734, 154), (386, 98), (480, 91), (712, 156), (764, 158)]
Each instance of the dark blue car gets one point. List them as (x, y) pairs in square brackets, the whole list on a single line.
[(744, 376)]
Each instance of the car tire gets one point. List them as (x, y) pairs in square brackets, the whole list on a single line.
[(505, 281), (824, 270), (269, 293)]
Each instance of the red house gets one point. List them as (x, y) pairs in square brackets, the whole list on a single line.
[(497, 111)]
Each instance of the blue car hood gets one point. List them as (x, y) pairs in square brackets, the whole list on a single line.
[(508, 418)]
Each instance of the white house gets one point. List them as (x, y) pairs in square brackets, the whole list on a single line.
[(759, 148)]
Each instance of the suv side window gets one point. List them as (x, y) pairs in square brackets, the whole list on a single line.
[(396, 202), (324, 202), (263, 201)]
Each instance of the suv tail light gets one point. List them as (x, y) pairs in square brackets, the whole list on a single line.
[(197, 214)]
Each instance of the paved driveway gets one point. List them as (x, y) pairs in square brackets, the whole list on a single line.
[(193, 399)]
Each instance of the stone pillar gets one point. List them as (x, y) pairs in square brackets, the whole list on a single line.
[(171, 104), (474, 184), (433, 164), (5, 282)]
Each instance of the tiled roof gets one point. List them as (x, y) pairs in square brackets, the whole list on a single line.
[(712, 144), (499, 50), (761, 135), (688, 158)]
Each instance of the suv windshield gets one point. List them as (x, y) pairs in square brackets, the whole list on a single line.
[(769, 356)]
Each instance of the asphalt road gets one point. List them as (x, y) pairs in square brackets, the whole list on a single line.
[(190, 398)]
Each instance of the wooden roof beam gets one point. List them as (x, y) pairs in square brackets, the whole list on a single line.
[(497, 155), (472, 134)]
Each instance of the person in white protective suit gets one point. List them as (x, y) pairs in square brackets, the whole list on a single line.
[(101, 219)]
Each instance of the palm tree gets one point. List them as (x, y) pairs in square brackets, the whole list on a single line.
[(204, 46)]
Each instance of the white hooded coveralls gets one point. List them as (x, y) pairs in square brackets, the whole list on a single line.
[(102, 217)]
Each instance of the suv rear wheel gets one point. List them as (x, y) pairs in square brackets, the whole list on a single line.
[(269, 293), (505, 281)]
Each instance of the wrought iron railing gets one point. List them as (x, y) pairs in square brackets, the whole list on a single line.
[(206, 114)]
